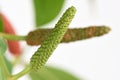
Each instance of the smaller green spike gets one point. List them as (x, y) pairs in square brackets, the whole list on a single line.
[(48, 46)]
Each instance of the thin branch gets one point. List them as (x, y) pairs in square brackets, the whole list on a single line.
[(20, 74), (12, 37)]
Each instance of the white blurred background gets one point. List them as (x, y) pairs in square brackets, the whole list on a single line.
[(92, 59)]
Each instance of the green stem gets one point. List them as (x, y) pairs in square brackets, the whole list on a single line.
[(12, 37), (4, 67), (20, 74)]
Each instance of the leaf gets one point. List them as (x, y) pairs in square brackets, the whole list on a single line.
[(1, 74), (46, 10), (8, 64), (3, 46), (50, 73), (62, 75), (1, 24), (42, 75)]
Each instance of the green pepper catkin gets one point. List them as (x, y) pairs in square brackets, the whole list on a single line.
[(36, 37), (48, 46)]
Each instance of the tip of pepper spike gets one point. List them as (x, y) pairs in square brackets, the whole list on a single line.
[(101, 30), (108, 29)]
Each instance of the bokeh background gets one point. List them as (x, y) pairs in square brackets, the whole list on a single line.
[(92, 59)]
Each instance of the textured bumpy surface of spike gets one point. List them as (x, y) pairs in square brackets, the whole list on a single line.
[(36, 37), (48, 46)]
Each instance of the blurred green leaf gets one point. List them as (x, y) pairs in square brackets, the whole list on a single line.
[(8, 64), (1, 24), (42, 75), (50, 73), (1, 74), (46, 10), (62, 75), (3, 46)]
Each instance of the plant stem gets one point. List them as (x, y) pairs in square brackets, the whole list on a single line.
[(4, 67), (12, 37), (20, 74)]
